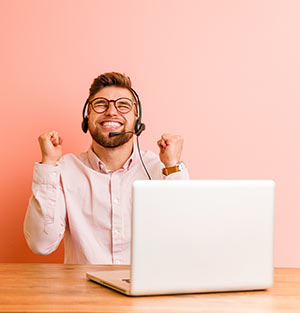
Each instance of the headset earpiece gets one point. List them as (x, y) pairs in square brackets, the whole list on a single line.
[(85, 124), (85, 121), (139, 127)]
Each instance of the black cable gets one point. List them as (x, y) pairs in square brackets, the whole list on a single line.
[(138, 146)]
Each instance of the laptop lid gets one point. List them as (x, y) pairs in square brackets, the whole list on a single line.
[(201, 236)]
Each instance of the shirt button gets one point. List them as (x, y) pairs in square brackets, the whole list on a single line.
[(117, 262), (115, 232), (116, 201)]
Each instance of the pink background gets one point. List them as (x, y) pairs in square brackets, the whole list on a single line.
[(223, 74)]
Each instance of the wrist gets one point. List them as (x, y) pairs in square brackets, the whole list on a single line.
[(173, 169), (49, 162), (171, 163)]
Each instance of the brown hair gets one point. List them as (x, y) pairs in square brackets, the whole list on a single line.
[(110, 79)]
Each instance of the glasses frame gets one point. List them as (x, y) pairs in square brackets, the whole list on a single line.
[(114, 101)]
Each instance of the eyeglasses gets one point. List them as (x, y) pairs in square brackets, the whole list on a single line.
[(123, 105)]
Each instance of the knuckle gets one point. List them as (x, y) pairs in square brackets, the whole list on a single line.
[(42, 137)]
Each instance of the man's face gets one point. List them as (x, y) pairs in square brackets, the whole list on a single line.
[(101, 124)]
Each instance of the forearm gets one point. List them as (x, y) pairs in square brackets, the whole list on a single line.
[(44, 223)]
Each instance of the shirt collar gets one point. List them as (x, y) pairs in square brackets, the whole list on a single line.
[(99, 166)]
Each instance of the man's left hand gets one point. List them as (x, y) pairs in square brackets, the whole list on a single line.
[(170, 149)]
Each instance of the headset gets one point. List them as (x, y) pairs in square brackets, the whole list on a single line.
[(139, 127)]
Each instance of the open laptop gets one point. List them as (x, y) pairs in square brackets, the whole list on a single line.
[(193, 236)]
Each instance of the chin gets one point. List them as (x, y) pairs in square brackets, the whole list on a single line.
[(111, 142)]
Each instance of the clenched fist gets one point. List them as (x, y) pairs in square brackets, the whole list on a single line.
[(170, 149), (50, 144)]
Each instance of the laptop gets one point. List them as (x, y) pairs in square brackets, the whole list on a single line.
[(197, 236)]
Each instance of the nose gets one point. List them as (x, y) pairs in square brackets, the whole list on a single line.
[(111, 109)]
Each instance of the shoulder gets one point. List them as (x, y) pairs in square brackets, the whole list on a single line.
[(67, 158), (152, 161), (70, 158), (150, 156)]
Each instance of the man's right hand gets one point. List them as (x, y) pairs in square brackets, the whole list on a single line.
[(51, 149)]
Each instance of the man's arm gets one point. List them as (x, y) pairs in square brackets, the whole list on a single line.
[(45, 219), (170, 155), (182, 174)]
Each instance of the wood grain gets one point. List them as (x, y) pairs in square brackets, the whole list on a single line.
[(64, 288)]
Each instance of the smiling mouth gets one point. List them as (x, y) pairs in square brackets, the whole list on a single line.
[(111, 125)]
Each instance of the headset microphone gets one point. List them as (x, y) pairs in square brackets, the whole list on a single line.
[(120, 133)]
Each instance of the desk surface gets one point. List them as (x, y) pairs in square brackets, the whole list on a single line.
[(64, 288)]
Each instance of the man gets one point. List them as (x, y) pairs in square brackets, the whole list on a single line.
[(87, 198)]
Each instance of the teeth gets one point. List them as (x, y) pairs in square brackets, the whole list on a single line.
[(111, 124)]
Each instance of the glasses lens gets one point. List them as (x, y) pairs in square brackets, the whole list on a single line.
[(124, 105), (100, 105)]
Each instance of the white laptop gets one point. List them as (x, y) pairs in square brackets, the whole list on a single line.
[(194, 236)]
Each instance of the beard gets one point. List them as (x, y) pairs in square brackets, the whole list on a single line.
[(110, 142)]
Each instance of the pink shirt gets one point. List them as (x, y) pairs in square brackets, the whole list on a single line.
[(87, 204)]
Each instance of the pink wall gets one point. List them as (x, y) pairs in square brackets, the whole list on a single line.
[(224, 74)]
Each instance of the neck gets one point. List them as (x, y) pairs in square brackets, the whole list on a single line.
[(113, 158)]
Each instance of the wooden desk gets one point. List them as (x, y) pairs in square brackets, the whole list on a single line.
[(64, 288)]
